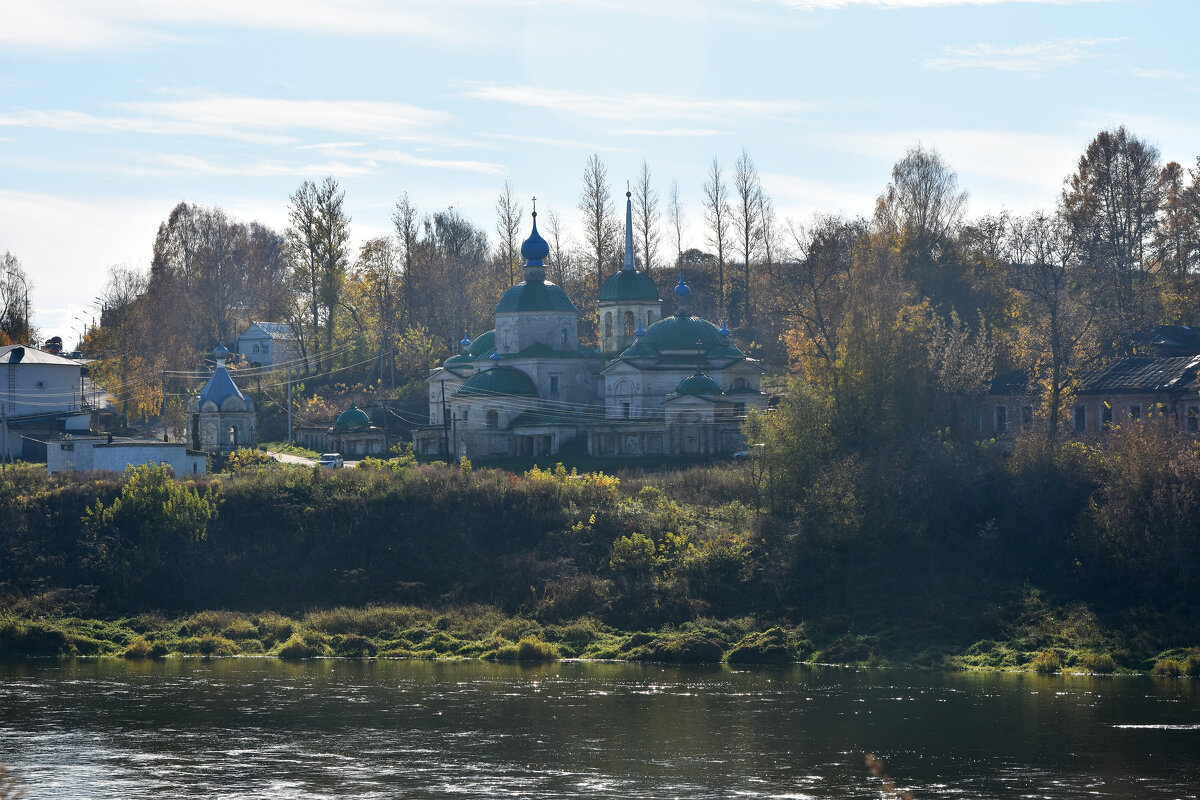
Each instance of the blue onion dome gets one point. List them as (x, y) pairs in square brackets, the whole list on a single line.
[(724, 328), (484, 343), (466, 341), (495, 356), (535, 249), (698, 384), (497, 381), (682, 290), (681, 333), (640, 332), (353, 417), (629, 285), (220, 387)]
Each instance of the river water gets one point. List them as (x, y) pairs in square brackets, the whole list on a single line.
[(251, 728)]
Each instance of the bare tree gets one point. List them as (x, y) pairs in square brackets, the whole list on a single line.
[(559, 261), (508, 230), (599, 216), (304, 255), (746, 189), (675, 217), (408, 230), (15, 323), (719, 217), (646, 216)]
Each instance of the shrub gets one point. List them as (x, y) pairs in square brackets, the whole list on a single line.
[(1047, 662), (680, 650), (355, 646), (208, 645), (529, 650), (772, 646), (1098, 663), (139, 648), (275, 627), (240, 628), (298, 647), (1168, 668), (1191, 667)]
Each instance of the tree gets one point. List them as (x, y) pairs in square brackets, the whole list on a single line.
[(373, 292), (600, 227), (646, 216), (121, 344), (676, 220), (16, 325), (1112, 203), (559, 262), (1057, 314), (747, 189), (719, 217), (317, 248), (1177, 241), (508, 229), (408, 231)]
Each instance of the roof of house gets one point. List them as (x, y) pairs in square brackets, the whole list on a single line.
[(275, 330), (1171, 340), (535, 295), (1143, 374), (497, 381), (20, 354)]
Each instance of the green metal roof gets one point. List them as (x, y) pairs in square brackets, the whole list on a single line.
[(681, 333), (496, 381), (352, 417), (629, 286), (726, 351), (484, 343), (698, 384), (535, 296)]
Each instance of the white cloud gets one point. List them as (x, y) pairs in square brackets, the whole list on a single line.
[(798, 198), (836, 5), (85, 25), (1158, 74), (633, 107), (408, 159), (1031, 57), (676, 132), (257, 120)]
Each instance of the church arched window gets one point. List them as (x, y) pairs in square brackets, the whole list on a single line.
[(565, 339), (493, 419), (608, 324), (630, 325), (649, 318)]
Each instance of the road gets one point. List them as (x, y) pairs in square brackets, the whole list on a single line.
[(288, 458)]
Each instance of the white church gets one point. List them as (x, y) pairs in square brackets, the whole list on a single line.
[(657, 386)]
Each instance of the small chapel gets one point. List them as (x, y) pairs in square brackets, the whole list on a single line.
[(221, 418), (656, 386)]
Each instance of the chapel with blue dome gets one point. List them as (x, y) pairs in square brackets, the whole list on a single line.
[(656, 386), (222, 418)]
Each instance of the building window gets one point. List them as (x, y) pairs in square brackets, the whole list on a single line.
[(976, 420), (1193, 419), (564, 338), (630, 325), (466, 414), (493, 419), (739, 409), (649, 318), (625, 409), (608, 324), (1001, 419), (1135, 411), (1026, 417), (554, 385), (1106, 414), (740, 384), (1080, 419)]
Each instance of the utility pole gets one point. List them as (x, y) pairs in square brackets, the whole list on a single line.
[(289, 402), (445, 422), (163, 407)]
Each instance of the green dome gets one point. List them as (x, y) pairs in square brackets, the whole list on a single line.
[(629, 286), (497, 381), (535, 296), (484, 343), (352, 417), (698, 384), (681, 333)]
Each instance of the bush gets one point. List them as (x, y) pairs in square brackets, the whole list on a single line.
[(772, 646), (139, 648), (680, 650), (1191, 667), (1168, 668), (298, 647), (208, 645), (1047, 662), (529, 650), (1098, 663), (355, 646)]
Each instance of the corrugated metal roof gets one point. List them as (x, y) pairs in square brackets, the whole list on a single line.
[(31, 355), (276, 330), (1143, 374)]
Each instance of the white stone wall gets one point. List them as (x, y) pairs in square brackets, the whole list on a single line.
[(85, 455), (613, 338), (516, 331)]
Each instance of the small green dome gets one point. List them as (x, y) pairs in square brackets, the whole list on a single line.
[(535, 296), (484, 343), (681, 333), (497, 381), (629, 286), (698, 384), (352, 417)]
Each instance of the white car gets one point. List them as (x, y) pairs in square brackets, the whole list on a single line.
[(331, 460)]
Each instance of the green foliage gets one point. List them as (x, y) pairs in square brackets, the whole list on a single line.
[(1048, 662), (245, 458), (772, 646), (1168, 668), (1098, 663), (139, 648), (634, 557)]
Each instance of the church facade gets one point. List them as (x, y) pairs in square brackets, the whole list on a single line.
[(656, 387)]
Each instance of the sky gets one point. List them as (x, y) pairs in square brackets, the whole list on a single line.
[(113, 112)]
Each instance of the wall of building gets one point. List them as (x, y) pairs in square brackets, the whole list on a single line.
[(86, 455), (516, 331), (29, 388)]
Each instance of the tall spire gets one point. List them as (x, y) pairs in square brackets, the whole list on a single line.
[(629, 265)]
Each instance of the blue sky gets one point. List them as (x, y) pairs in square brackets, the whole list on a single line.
[(112, 112)]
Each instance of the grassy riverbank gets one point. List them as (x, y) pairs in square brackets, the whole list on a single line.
[(487, 633)]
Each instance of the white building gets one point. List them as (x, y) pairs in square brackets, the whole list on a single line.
[(41, 395), (673, 386), (265, 344), (89, 453), (222, 419)]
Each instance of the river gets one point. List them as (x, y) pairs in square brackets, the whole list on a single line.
[(258, 728)]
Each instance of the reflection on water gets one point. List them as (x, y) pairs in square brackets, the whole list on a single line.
[(262, 728)]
